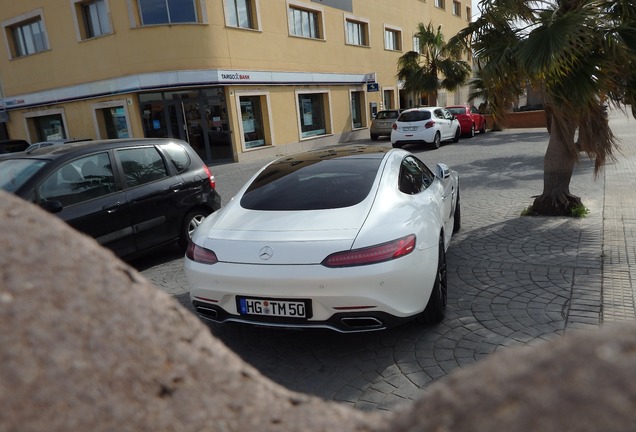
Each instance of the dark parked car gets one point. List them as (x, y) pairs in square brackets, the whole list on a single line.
[(13, 146), (130, 195)]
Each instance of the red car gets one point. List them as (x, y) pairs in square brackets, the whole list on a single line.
[(469, 118)]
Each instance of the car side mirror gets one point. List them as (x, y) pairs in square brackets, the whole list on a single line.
[(442, 171), (52, 206)]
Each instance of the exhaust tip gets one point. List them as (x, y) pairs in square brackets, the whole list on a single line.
[(362, 322), (207, 312)]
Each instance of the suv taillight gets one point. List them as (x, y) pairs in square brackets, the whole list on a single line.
[(429, 124), (210, 176), (394, 126)]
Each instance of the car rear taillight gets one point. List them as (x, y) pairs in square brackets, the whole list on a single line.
[(394, 127), (373, 254), (200, 255), (429, 124), (210, 176)]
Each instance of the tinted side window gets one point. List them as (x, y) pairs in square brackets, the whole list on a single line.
[(78, 181), (142, 165), (177, 155), (414, 176)]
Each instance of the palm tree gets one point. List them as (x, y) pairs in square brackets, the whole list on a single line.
[(420, 71), (582, 53)]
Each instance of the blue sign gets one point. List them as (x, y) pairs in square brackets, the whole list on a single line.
[(373, 87)]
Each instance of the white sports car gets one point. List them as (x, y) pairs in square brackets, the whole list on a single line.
[(351, 239)]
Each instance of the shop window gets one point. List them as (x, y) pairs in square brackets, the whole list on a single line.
[(357, 32), (26, 34), (312, 111), (392, 39), (357, 105), (92, 18), (241, 14), (457, 9), (253, 126), (47, 127), (305, 22), (157, 12), (112, 120)]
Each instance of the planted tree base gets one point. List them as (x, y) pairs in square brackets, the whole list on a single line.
[(563, 205)]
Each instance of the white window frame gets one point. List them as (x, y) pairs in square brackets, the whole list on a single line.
[(81, 30), (319, 11), (457, 9), (416, 44), (441, 4), (365, 30), (255, 8), (328, 113), (394, 103), (268, 118), (42, 113), (134, 14), (397, 32), (111, 104), (363, 108), (22, 20)]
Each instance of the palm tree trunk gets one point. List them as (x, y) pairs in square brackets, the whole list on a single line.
[(558, 165)]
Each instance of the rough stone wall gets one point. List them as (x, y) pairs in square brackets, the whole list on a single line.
[(87, 344)]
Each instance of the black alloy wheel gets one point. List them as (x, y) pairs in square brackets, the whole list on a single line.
[(457, 218), (435, 310)]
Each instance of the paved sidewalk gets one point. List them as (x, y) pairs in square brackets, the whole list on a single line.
[(619, 228)]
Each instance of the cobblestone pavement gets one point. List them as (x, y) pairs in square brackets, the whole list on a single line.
[(512, 280)]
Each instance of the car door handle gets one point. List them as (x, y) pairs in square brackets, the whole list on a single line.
[(176, 187), (112, 209)]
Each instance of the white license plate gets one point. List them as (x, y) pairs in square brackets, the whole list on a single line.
[(271, 307), (409, 128)]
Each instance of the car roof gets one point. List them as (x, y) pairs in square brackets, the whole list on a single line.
[(427, 108), (350, 152), (82, 147)]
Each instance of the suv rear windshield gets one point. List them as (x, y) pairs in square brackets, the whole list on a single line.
[(413, 116), (384, 115), (312, 185)]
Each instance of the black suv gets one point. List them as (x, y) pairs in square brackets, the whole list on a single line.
[(130, 195), (13, 146)]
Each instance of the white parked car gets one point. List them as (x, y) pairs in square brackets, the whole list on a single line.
[(427, 125), (350, 239)]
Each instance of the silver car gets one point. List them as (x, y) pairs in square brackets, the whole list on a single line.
[(383, 122)]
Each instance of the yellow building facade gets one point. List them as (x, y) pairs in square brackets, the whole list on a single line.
[(238, 79)]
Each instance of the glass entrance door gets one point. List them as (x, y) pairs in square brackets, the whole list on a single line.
[(198, 117)]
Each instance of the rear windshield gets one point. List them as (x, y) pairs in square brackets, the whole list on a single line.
[(15, 172), (384, 115), (312, 185), (413, 116)]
